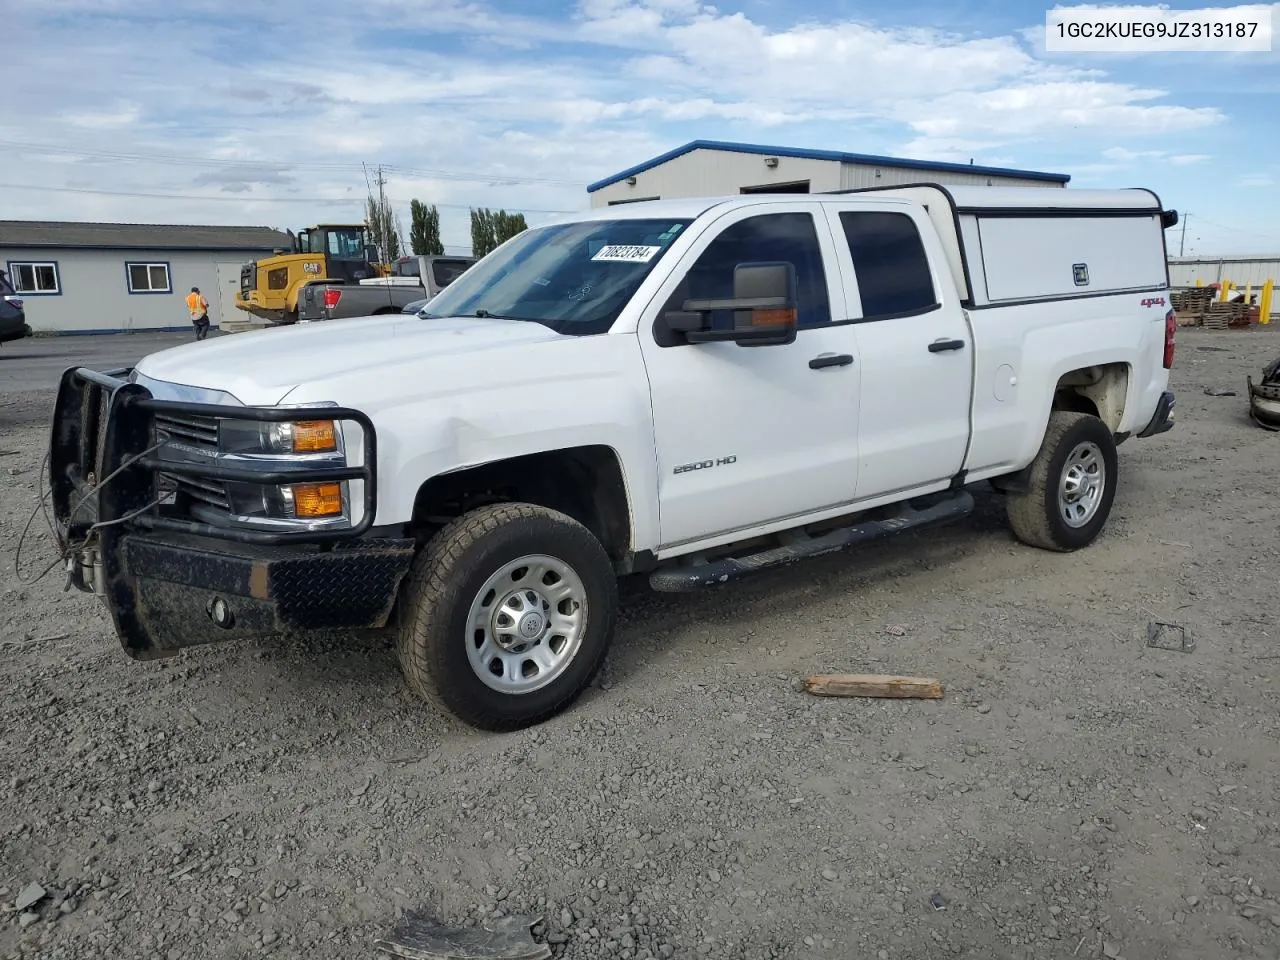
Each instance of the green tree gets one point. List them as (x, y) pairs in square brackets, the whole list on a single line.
[(507, 225), (424, 230), (383, 227), (491, 228)]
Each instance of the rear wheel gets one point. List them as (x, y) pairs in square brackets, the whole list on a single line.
[(1071, 487), (507, 615)]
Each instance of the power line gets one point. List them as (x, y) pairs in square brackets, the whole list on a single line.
[(1223, 226), (238, 199)]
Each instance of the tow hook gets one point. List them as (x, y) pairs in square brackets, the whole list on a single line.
[(220, 613)]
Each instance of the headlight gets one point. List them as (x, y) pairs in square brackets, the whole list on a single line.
[(299, 444), (247, 438), (303, 503)]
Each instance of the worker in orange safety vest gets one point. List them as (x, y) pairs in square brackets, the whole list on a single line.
[(198, 308)]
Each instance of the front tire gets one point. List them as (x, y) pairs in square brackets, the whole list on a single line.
[(507, 615), (1071, 487)]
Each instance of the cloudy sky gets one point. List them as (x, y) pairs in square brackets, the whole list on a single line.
[(230, 111)]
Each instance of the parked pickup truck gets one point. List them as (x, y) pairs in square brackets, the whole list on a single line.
[(412, 278), (692, 390)]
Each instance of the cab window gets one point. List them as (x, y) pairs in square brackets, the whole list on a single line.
[(770, 238), (890, 263)]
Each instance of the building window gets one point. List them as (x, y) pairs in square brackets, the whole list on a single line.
[(890, 263), (36, 278), (149, 278)]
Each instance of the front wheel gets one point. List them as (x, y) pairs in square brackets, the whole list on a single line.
[(507, 615), (1072, 485)]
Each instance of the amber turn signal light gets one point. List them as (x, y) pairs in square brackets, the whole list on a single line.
[(315, 436), (312, 501)]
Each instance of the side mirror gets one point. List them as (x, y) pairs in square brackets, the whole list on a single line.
[(763, 304)]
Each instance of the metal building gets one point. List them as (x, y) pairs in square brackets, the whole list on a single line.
[(1252, 270), (709, 168)]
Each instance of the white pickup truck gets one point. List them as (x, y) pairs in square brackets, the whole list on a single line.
[(691, 390)]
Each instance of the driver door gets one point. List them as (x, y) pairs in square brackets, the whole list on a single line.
[(748, 436)]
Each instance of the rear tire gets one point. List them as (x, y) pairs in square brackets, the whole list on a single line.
[(507, 615), (1071, 487)]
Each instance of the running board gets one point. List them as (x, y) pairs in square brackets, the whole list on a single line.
[(683, 579)]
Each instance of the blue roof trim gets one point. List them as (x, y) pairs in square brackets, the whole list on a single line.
[(836, 155)]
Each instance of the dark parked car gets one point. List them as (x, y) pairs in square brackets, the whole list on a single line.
[(13, 320)]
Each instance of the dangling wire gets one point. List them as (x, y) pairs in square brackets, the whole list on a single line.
[(65, 549)]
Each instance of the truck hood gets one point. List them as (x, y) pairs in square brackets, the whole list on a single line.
[(263, 366)]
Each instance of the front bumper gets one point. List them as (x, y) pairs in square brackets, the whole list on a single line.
[(186, 591), (171, 581), (1162, 420), (15, 333)]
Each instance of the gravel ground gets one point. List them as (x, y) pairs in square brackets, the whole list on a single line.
[(1076, 794)]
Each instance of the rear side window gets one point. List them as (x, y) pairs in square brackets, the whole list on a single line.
[(447, 271), (770, 238), (890, 264)]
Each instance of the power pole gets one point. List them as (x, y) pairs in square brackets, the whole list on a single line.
[(1182, 242)]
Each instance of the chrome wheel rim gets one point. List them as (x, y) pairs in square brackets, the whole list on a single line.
[(526, 624), (1084, 477)]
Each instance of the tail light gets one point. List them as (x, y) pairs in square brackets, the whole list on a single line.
[(331, 298), (1170, 327)]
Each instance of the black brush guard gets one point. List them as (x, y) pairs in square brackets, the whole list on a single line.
[(171, 582)]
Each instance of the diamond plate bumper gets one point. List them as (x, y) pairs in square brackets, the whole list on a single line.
[(182, 591)]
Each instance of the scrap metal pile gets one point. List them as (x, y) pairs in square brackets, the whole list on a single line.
[(1264, 397)]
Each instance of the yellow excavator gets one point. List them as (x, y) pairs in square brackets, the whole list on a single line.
[(329, 252)]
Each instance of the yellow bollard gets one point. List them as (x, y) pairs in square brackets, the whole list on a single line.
[(1226, 291), (1199, 282), (1264, 309)]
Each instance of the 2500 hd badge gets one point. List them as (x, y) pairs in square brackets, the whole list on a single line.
[(704, 465)]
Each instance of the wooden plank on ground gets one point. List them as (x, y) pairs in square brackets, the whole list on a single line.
[(873, 685)]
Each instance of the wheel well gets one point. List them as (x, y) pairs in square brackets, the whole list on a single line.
[(583, 482), (1099, 390)]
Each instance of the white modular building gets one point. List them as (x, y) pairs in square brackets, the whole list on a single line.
[(707, 168)]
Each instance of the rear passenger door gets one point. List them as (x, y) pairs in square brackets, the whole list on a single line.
[(914, 347)]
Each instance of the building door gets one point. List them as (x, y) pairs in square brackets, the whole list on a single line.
[(224, 307)]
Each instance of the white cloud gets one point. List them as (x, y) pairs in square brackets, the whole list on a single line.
[(1254, 180), (1126, 157), (121, 115), (471, 106)]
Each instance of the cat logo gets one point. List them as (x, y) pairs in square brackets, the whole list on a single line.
[(311, 267)]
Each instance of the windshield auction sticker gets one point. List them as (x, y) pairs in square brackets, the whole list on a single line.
[(623, 253)]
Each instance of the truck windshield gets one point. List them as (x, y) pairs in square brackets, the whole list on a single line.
[(574, 278)]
